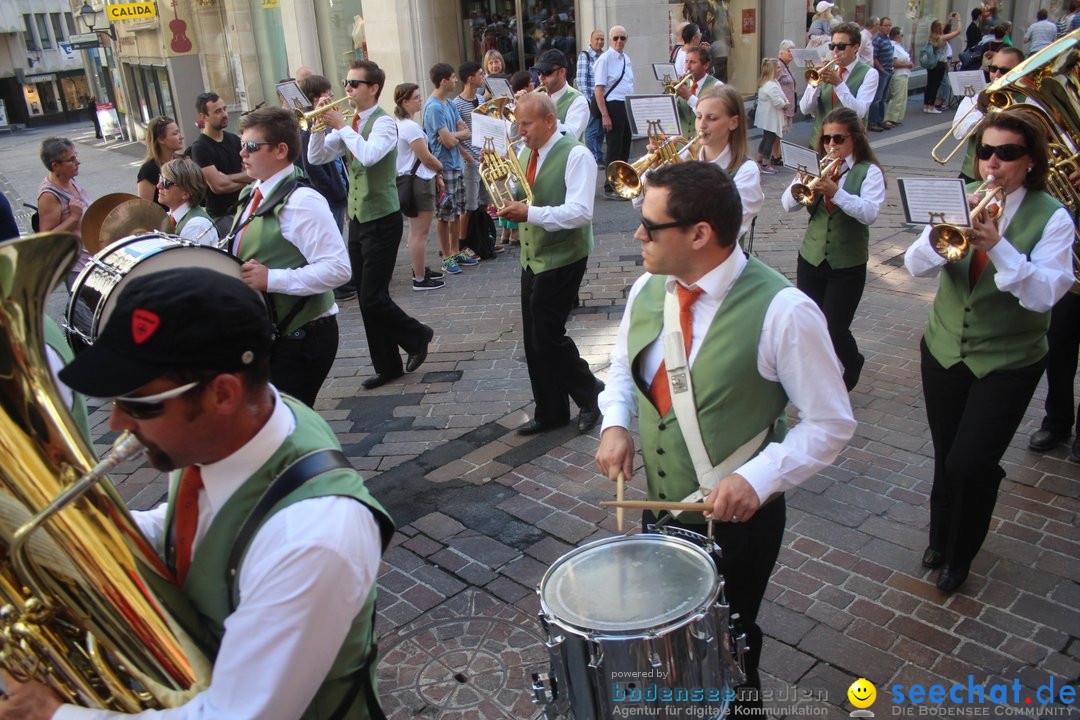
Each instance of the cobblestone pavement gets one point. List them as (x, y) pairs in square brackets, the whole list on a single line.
[(483, 512)]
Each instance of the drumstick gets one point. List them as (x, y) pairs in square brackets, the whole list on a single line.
[(620, 493), (656, 505)]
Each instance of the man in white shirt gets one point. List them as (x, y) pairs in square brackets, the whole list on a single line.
[(614, 72), (185, 355), (851, 82), (755, 343), (866, 41), (571, 107), (1040, 33)]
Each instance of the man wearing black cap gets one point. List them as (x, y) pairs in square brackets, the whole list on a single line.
[(571, 107), (299, 613)]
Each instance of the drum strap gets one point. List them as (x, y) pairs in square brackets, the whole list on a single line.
[(682, 402)]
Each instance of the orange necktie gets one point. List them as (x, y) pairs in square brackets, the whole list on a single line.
[(530, 172), (829, 204), (693, 88), (186, 519), (660, 390), (979, 258), (256, 198), (832, 89)]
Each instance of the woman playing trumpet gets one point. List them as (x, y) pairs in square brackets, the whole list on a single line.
[(835, 248), (984, 348)]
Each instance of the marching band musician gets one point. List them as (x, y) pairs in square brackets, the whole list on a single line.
[(985, 345), (571, 107), (181, 189), (697, 64), (298, 613), (721, 121), (556, 239), (968, 116), (850, 83), (836, 247), (753, 343)]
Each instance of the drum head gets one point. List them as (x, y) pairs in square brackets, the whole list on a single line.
[(627, 584)]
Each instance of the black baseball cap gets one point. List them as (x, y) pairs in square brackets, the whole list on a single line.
[(173, 319), (549, 60)]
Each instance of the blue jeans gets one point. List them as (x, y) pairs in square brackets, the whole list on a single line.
[(881, 99), (594, 138)]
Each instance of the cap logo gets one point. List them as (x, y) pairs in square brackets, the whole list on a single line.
[(143, 325)]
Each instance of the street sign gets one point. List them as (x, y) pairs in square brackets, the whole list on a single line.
[(131, 11), (82, 41)]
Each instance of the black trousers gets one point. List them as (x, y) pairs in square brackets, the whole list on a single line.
[(556, 370), (934, 76), (971, 423), (301, 360), (1064, 339), (837, 293), (373, 248), (619, 137), (748, 554)]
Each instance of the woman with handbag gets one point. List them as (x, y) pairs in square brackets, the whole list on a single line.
[(935, 73), (418, 181)]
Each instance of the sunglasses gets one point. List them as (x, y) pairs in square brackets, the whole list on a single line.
[(650, 228), (616, 38), (147, 407), (165, 183), (72, 159), (839, 46), (994, 69), (1005, 153), (356, 83), (834, 139), (252, 146)]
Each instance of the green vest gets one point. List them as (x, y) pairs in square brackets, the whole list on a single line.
[(206, 587), (968, 168), (262, 240), (825, 104), (549, 250), (193, 212), (983, 327), (54, 338), (836, 236), (687, 114), (734, 402), (372, 190), (564, 103)]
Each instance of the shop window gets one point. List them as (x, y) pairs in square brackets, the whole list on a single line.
[(341, 31)]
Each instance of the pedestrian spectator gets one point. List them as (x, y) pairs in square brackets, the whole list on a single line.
[(939, 42), (697, 64), (866, 40), (91, 105), (614, 81), (61, 201), (691, 35), (476, 196), (1071, 20), (850, 83), (572, 109), (182, 189), (771, 104), (445, 132), (217, 151), (414, 157), (1040, 33), (787, 84), (586, 81), (898, 92), (973, 34), (164, 141), (494, 65), (883, 63), (821, 27)]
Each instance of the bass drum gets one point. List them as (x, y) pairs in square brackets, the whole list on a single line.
[(93, 297), (637, 626)]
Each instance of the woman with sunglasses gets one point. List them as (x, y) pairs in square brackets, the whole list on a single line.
[(164, 141), (721, 122), (985, 345), (836, 246), (182, 189)]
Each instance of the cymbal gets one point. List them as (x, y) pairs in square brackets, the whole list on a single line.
[(130, 218), (95, 215)]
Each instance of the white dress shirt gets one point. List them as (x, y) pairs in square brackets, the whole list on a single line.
[(325, 147), (680, 62), (864, 207), (306, 576), (198, 229), (607, 69), (1037, 283), (794, 350), (577, 209), (307, 223), (965, 117), (866, 47), (577, 115), (860, 102), (692, 101)]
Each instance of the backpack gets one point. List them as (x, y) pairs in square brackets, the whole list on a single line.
[(972, 59), (480, 236), (927, 57)]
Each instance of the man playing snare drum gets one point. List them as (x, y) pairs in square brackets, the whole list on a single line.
[(755, 344)]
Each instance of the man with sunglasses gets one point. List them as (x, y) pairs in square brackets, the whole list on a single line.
[(571, 107), (849, 82), (297, 612), (369, 146), (968, 115), (614, 71), (752, 343), (217, 151)]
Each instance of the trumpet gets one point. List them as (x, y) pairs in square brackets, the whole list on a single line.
[(952, 242), (804, 192), (673, 88), (625, 178), (813, 75), (312, 119)]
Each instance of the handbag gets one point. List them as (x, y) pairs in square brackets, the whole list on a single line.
[(594, 108), (928, 57), (406, 194)]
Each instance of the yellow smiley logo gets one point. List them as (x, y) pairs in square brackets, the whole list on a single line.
[(862, 693)]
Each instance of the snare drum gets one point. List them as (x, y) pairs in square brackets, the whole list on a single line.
[(637, 625), (93, 297)]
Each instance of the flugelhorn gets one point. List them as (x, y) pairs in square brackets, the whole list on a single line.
[(813, 75), (502, 107), (312, 119), (625, 178), (673, 88), (952, 242), (804, 192), (501, 172)]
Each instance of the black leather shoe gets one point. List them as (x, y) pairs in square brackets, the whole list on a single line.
[(378, 380), (587, 419), (951, 578), (1043, 440), (933, 558), (417, 358), (534, 426)]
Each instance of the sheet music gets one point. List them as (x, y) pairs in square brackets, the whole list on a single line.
[(485, 127), (662, 70), (642, 109), (498, 87), (961, 80), (800, 57), (799, 158), (943, 200), (291, 94)]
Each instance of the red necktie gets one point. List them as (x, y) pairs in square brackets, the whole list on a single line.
[(659, 390), (256, 198), (979, 258), (356, 122), (829, 204), (530, 172), (832, 89), (172, 222), (693, 88), (186, 519)]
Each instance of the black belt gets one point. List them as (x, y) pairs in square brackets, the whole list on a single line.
[(301, 332)]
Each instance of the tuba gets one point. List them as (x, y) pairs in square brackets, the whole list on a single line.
[(77, 607)]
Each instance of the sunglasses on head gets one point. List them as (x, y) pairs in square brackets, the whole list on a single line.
[(839, 46), (166, 183), (617, 37), (356, 83), (1012, 151), (147, 407), (834, 139), (253, 145)]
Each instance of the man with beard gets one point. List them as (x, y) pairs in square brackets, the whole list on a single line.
[(217, 152)]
